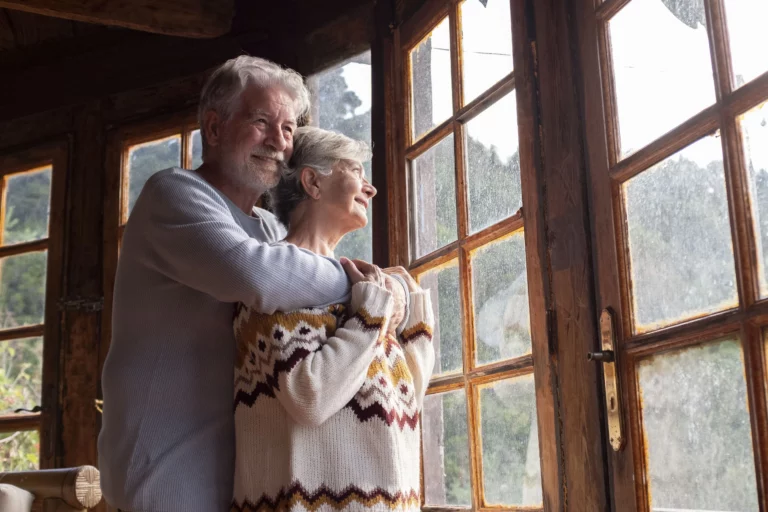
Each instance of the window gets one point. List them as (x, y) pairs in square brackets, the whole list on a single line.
[(467, 247), (341, 101), (145, 156), (684, 176), (30, 262)]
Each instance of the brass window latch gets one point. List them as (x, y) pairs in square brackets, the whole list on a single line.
[(607, 358)]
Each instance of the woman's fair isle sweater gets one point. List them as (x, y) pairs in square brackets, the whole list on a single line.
[(327, 406)]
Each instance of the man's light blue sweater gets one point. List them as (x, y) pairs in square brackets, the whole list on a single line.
[(188, 254)]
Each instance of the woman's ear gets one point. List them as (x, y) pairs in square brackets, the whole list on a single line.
[(310, 180)]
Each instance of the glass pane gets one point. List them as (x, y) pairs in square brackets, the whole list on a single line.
[(22, 289), (197, 149), (146, 159), (21, 374), (446, 449), (510, 439), (341, 101), (500, 292), (493, 164), (661, 66), (746, 32), (754, 127), (431, 94), (20, 451), (679, 238), (486, 45), (27, 206), (443, 286), (433, 204), (696, 429)]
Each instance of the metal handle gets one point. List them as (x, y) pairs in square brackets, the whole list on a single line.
[(601, 356), (607, 357)]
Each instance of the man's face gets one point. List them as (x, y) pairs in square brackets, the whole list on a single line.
[(257, 139)]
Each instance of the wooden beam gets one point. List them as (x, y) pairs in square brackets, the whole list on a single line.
[(185, 18), (137, 63)]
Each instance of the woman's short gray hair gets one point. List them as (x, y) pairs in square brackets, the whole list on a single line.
[(319, 149), (221, 92)]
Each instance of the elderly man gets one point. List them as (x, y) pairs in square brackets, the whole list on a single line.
[(194, 245)]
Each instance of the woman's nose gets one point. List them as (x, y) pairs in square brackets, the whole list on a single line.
[(369, 190)]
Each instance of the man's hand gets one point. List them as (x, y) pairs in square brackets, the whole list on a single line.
[(401, 272), (359, 271)]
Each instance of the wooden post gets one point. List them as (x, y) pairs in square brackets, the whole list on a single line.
[(572, 317), (81, 335)]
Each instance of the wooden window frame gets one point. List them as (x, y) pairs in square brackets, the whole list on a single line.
[(403, 148), (119, 143), (608, 172), (14, 162)]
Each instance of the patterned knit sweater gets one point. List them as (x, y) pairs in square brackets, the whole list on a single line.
[(327, 406)]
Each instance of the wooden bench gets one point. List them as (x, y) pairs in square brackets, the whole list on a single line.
[(59, 490)]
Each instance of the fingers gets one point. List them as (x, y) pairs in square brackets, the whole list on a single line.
[(352, 271), (413, 286), (364, 266)]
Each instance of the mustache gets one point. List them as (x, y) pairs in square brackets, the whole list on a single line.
[(263, 152)]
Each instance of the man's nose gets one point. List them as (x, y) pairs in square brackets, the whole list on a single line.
[(276, 138)]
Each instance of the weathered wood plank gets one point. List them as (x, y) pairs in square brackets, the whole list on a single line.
[(583, 456), (545, 362), (80, 421), (186, 18)]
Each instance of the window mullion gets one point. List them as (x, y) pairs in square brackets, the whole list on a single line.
[(719, 48), (475, 450)]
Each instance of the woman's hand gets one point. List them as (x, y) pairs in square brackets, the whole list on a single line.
[(401, 272)]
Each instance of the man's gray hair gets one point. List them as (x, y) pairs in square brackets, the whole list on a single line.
[(221, 92), (319, 149)]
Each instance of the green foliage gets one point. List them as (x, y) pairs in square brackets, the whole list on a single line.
[(19, 451), (146, 160), (509, 442), (22, 302), (699, 442), (336, 111)]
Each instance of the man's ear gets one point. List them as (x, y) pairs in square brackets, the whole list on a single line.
[(310, 181), (212, 122)]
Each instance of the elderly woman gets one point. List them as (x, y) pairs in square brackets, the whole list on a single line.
[(327, 400)]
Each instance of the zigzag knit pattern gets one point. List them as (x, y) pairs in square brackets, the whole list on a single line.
[(282, 340), (327, 406), (288, 499)]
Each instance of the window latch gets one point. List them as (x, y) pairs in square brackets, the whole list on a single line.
[(607, 358), (86, 304)]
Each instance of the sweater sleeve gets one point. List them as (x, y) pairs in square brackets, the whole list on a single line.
[(195, 240), (330, 373), (416, 340)]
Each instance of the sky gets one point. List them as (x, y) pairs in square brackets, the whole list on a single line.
[(662, 68)]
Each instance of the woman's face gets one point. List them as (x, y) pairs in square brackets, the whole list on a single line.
[(345, 195)]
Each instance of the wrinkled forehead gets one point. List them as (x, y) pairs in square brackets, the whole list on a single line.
[(273, 101)]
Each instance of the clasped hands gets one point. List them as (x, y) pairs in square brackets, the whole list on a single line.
[(359, 271)]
